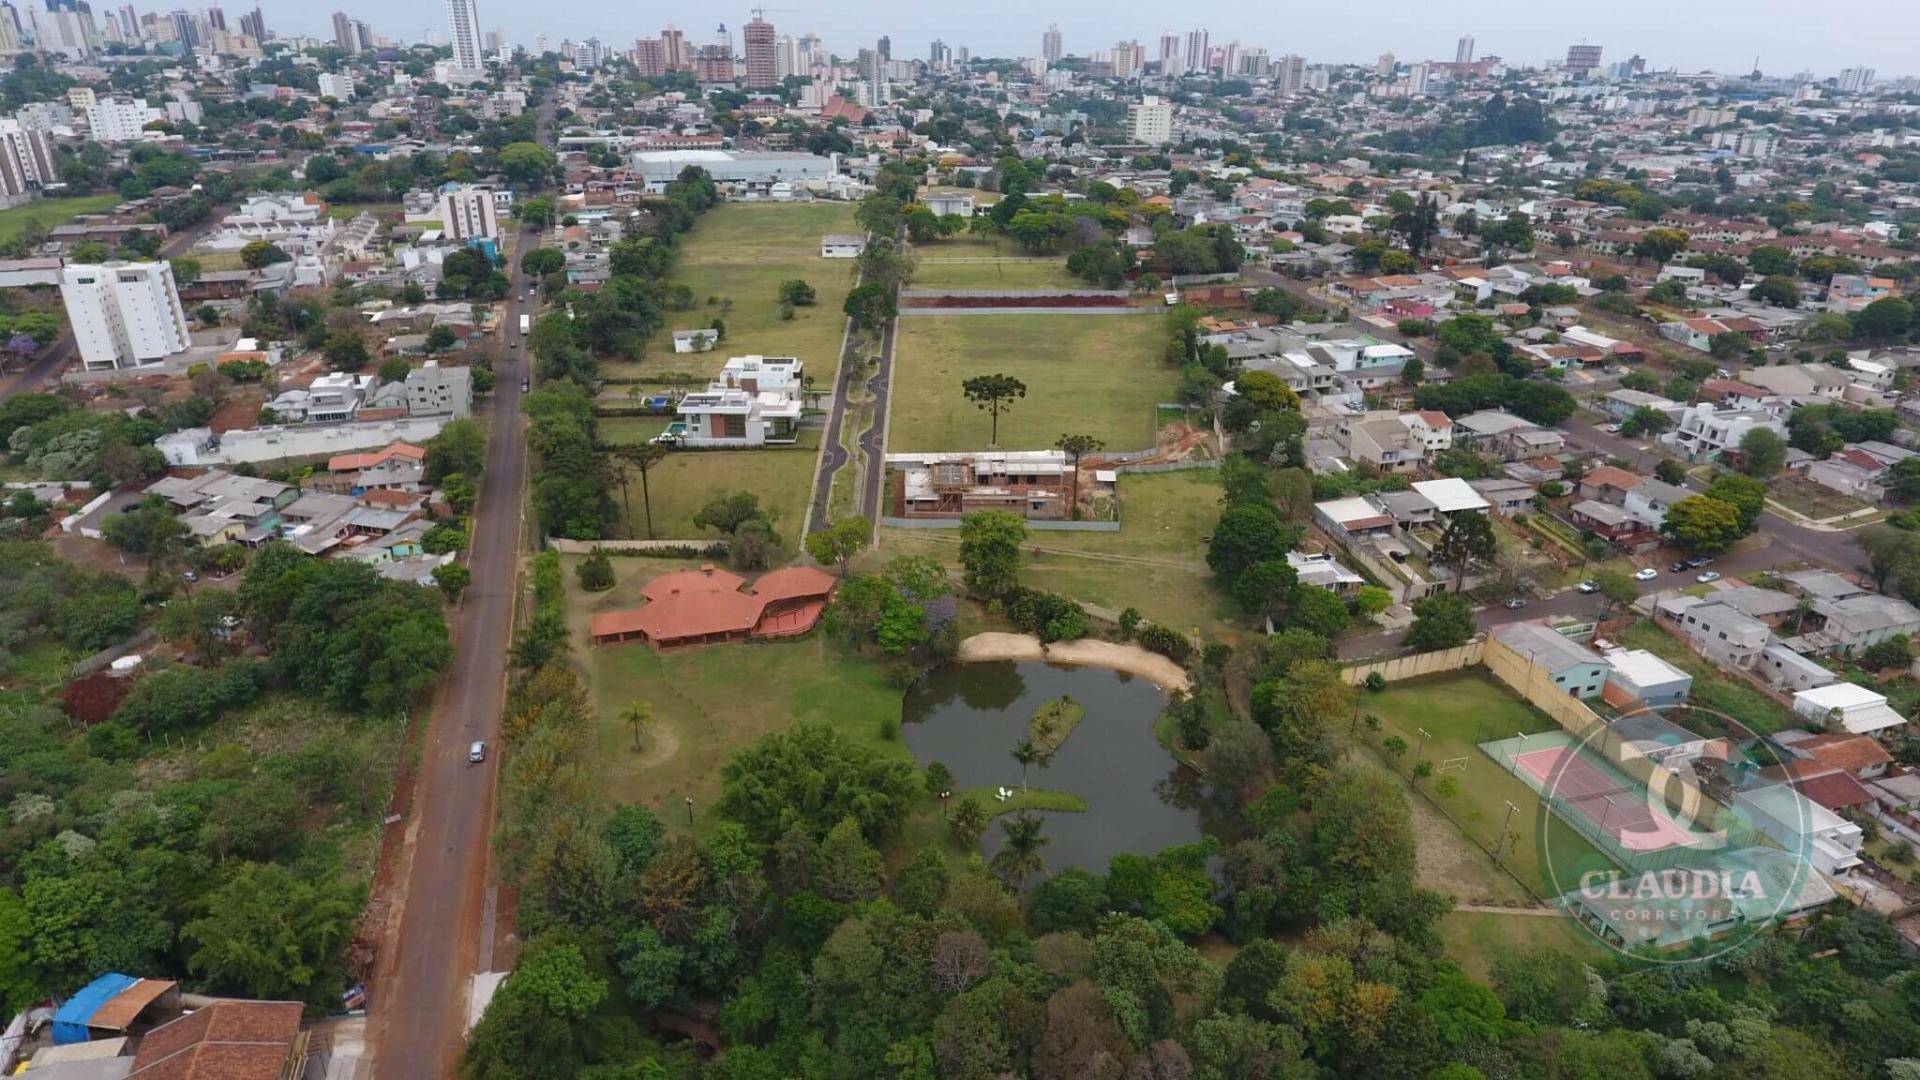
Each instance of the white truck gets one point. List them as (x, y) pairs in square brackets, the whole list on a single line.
[(526, 324)]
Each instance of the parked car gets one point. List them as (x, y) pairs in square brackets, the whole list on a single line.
[(1647, 574), (1611, 429), (476, 753), (1588, 587), (525, 384), (1711, 575), (1680, 567), (1699, 561), (1516, 603)]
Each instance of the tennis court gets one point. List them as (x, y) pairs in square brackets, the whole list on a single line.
[(1608, 803)]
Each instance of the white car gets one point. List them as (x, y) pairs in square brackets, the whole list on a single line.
[(1711, 575), (1647, 574), (476, 753), (1589, 587)]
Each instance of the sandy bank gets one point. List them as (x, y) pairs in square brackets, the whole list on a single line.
[(1131, 659)]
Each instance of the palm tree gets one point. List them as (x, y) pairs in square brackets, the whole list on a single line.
[(1019, 858), (644, 457), (638, 716), (969, 820), (1025, 754)]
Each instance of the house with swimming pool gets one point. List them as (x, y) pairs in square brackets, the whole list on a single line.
[(754, 401)]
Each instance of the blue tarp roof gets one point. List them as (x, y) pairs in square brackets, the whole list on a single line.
[(70, 1023)]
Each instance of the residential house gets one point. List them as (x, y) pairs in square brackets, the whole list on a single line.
[(1607, 484), (1705, 432), (1386, 444), (708, 606), (1648, 501), (1807, 830), (1853, 473), (842, 245), (1506, 436), (1860, 756), (1621, 404), (1844, 706), (436, 390), (754, 401), (1856, 622), (1720, 633), (1646, 678), (219, 507), (1571, 665), (1785, 669), (1507, 497), (1659, 739), (1323, 571)]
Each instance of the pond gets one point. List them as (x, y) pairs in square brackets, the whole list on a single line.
[(1139, 800)]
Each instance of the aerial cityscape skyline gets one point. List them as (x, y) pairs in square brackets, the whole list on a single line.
[(1720, 35)]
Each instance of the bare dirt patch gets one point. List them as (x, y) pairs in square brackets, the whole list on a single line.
[(1131, 659)]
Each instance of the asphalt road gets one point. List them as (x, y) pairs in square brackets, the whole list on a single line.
[(873, 441), (418, 1004), (36, 375), (833, 456)]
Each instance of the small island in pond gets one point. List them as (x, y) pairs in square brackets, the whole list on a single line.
[(1053, 722)]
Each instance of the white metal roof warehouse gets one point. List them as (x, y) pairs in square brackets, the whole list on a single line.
[(660, 167)]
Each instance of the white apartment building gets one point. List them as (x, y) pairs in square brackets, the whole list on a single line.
[(298, 224), (1150, 121), (337, 87), (26, 161), (124, 314), (469, 213), (114, 120), (463, 28)]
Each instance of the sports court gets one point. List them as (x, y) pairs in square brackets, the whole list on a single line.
[(1607, 806), (1610, 806)]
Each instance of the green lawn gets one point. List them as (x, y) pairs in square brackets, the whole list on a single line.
[(1459, 711), (1712, 690), (1476, 938), (688, 479), (741, 253), (44, 214), (1099, 375), (627, 430), (988, 262), (704, 710)]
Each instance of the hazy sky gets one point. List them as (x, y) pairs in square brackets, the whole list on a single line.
[(1722, 35)]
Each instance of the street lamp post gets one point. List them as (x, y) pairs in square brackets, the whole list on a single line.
[(943, 802), (689, 810), (1500, 848), (1421, 751)]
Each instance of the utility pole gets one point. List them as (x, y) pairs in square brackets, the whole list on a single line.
[(1424, 736), (1500, 848)]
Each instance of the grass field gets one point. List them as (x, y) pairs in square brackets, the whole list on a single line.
[(1085, 374), (1812, 500), (1477, 938), (988, 262), (704, 710), (741, 253), (688, 479), (1459, 711), (44, 214), (628, 430), (1712, 690)]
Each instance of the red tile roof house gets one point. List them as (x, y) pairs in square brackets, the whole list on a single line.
[(708, 607), (227, 1040)]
